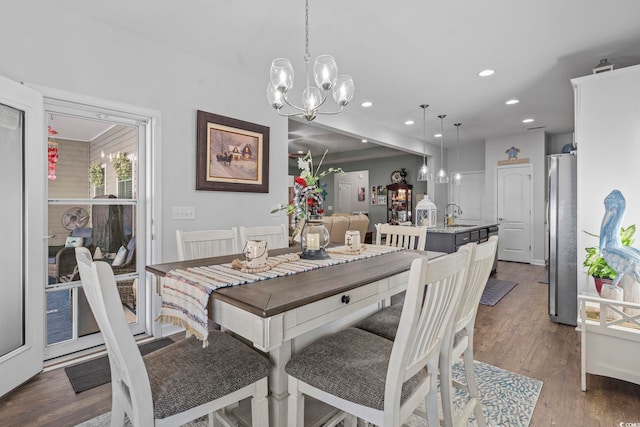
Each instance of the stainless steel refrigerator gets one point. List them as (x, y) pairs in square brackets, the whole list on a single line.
[(561, 237)]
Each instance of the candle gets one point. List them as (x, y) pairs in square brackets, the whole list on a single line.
[(313, 242)]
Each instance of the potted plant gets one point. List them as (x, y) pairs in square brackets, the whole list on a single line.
[(96, 175), (597, 266), (122, 166)]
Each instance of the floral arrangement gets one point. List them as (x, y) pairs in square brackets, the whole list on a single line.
[(122, 166), (96, 175), (307, 191)]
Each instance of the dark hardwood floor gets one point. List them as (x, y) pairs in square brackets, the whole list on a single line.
[(516, 334)]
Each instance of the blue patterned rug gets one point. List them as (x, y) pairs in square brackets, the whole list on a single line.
[(495, 290), (507, 399)]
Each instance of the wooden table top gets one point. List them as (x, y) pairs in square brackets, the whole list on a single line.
[(270, 297)]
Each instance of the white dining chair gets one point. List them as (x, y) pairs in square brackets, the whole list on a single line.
[(180, 382), (385, 323), (206, 243), (276, 236), (402, 236), (461, 343), (379, 381)]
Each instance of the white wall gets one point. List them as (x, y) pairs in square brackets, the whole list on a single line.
[(608, 140), (49, 45), (532, 146)]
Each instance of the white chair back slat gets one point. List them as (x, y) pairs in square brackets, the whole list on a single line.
[(276, 236), (206, 243), (402, 236)]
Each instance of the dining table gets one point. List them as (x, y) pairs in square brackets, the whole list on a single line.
[(281, 315)]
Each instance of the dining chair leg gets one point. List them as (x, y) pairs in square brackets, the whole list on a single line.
[(446, 392), (295, 404), (351, 421), (431, 399), (117, 413), (472, 385), (260, 405)]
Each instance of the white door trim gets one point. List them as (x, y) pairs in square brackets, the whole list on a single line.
[(149, 180)]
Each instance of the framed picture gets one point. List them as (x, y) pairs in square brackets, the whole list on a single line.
[(382, 200), (374, 194), (231, 155)]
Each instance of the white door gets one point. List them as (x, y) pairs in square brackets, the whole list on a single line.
[(112, 208), (22, 171), (514, 210), (345, 197)]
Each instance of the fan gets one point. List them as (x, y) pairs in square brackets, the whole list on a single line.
[(75, 218)]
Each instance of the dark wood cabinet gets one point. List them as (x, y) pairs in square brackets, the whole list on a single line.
[(399, 203), (449, 241)]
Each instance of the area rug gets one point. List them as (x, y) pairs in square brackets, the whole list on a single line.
[(86, 375), (507, 399), (495, 291)]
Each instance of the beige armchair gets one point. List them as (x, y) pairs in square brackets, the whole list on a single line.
[(338, 224)]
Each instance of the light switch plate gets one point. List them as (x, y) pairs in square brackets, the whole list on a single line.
[(183, 212)]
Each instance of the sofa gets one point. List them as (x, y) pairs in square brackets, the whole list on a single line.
[(338, 224)]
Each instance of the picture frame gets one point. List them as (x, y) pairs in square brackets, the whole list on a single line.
[(231, 154)]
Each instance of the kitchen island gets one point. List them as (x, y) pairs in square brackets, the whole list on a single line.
[(449, 238)]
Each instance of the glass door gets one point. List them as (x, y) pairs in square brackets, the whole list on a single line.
[(21, 233), (93, 201)]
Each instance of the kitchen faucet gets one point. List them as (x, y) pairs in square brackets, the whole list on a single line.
[(456, 211)]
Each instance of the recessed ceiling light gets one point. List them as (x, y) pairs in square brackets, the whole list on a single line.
[(512, 101), (527, 120), (437, 135), (364, 141), (408, 122), (486, 73), (300, 152), (366, 104)]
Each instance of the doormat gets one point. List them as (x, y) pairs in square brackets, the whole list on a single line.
[(495, 290), (87, 375), (507, 399)]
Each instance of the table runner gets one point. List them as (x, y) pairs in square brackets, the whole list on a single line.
[(185, 292)]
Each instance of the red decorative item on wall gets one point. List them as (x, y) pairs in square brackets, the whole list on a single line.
[(52, 155)]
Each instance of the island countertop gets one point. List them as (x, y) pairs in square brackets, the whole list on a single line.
[(459, 228)]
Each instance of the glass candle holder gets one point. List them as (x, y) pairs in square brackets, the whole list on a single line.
[(314, 238)]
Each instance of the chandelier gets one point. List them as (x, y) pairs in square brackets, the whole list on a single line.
[(423, 172), (442, 177), (325, 74)]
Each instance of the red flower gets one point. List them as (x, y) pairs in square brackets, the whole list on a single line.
[(300, 180)]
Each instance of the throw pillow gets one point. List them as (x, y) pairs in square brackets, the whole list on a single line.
[(73, 242), (120, 256)]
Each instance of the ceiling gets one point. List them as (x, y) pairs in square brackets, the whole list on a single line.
[(403, 54)]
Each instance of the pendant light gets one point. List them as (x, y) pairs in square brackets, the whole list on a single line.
[(423, 173), (457, 178), (442, 177)]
